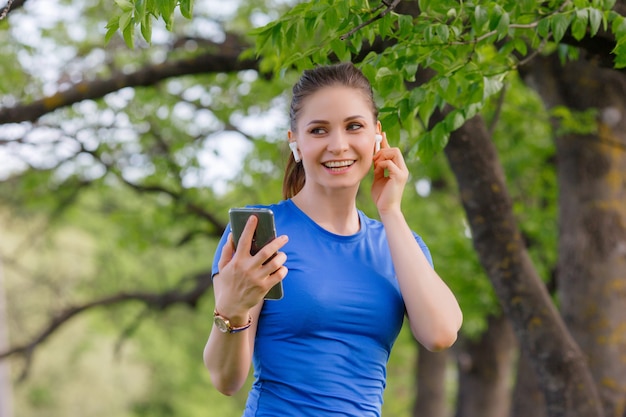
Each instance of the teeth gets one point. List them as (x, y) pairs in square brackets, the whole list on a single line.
[(338, 164)]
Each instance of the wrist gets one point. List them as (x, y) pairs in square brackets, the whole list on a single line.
[(390, 213), (231, 324)]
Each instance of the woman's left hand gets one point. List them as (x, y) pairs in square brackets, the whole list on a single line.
[(387, 189)]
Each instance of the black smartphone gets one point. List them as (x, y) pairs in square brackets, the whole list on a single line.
[(265, 232)]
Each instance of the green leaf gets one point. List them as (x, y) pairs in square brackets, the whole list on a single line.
[(405, 111), (339, 48), (619, 26), (560, 23), (112, 28), (440, 136), (620, 54), (331, 17), (595, 20), (427, 106), (495, 17), (503, 25), (491, 85), (543, 28), (186, 8), (608, 4), (386, 80), (277, 36), (125, 5), (125, 20), (128, 34), (520, 46), (405, 25), (480, 18), (443, 32), (454, 120), (146, 28), (579, 25), (166, 9)]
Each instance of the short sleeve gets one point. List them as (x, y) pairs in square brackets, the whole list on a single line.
[(425, 249), (218, 251)]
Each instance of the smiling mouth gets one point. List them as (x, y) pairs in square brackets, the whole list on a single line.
[(338, 165)]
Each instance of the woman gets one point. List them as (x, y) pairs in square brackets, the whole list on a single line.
[(349, 280)]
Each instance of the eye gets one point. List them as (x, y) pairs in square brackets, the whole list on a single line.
[(354, 126), (317, 131)]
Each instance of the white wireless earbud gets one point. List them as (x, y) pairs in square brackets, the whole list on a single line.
[(294, 150), (379, 138)]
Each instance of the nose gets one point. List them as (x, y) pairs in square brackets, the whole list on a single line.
[(338, 142)]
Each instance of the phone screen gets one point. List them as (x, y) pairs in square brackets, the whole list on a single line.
[(265, 232)]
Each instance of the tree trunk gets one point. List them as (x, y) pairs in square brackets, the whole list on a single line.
[(485, 369), (563, 374), (592, 219), (430, 381), (527, 398)]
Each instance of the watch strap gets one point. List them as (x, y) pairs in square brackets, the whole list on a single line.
[(229, 328)]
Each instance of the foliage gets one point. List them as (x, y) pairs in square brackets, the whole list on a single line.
[(141, 13), (470, 46), (131, 192)]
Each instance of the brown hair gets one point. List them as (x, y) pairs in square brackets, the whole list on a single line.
[(344, 74)]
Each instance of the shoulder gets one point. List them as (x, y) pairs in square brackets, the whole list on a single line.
[(376, 228), (275, 207)]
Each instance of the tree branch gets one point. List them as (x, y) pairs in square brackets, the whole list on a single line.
[(190, 206), (221, 58), (380, 15), (155, 301), (11, 6)]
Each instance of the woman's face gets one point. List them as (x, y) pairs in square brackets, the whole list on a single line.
[(335, 136)]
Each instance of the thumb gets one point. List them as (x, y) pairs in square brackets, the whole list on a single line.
[(227, 252)]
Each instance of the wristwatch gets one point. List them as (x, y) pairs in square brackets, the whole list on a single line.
[(224, 325)]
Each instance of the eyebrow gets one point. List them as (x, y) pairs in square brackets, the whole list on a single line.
[(356, 116)]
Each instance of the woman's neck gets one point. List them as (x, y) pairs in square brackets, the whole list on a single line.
[(335, 212)]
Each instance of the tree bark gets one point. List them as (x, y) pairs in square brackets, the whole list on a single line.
[(222, 57), (592, 218), (430, 380), (485, 369), (527, 400), (564, 377)]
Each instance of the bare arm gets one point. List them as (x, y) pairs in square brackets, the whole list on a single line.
[(239, 288), (434, 313), (228, 356)]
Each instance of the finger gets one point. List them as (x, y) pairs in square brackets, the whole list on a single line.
[(227, 252), (267, 251), (245, 240), (275, 261), (277, 276), (385, 142), (391, 154), (395, 168)]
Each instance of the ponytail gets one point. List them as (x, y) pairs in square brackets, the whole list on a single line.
[(294, 178)]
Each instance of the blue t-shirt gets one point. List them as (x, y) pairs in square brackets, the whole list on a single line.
[(322, 350)]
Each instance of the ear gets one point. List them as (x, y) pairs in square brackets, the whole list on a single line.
[(378, 137), (294, 147)]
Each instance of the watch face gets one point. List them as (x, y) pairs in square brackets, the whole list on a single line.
[(221, 324)]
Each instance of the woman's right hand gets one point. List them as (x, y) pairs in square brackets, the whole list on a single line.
[(243, 280)]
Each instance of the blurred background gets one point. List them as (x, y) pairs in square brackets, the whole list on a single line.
[(118, 164)]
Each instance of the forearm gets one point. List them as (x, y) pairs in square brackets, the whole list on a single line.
[(228, 357), (433, 311)]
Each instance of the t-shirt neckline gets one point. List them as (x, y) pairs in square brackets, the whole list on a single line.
[(311, 223)]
